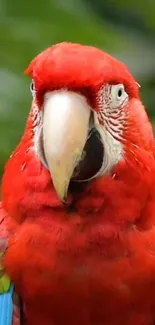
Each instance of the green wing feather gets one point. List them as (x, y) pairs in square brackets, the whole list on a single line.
[(4, 279)]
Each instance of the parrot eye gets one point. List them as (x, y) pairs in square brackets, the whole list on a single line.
[(118, 94), (32, 88)]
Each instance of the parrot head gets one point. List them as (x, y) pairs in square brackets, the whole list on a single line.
[(86, 120)]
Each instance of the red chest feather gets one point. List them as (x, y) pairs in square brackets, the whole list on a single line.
[(78, 272)]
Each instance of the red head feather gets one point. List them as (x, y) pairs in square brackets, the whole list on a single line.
[(78, 67)]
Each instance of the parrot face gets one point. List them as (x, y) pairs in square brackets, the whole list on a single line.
[(84, 102), (82, 147)]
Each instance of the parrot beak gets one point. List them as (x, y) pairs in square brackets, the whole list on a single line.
[(65, 131)]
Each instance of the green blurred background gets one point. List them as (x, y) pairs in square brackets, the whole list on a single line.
[(124, 28)]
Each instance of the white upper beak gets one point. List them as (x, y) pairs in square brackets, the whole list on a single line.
[(65, 130)]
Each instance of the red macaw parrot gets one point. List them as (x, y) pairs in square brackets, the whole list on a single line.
[(78, 195)]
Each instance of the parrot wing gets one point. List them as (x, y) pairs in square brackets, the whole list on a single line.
[(9, 300), (5, 282)]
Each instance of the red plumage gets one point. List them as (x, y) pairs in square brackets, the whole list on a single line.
[(91, 262)]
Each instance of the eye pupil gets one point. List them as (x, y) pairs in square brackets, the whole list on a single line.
[(32, 88), (120, 92)]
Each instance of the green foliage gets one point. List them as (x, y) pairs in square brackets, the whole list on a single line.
[(28, 27)]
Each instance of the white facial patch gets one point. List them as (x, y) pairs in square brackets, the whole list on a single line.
[(113, 150), (112, 100), (37, 119)]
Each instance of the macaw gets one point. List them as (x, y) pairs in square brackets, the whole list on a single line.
[(78, 195)]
